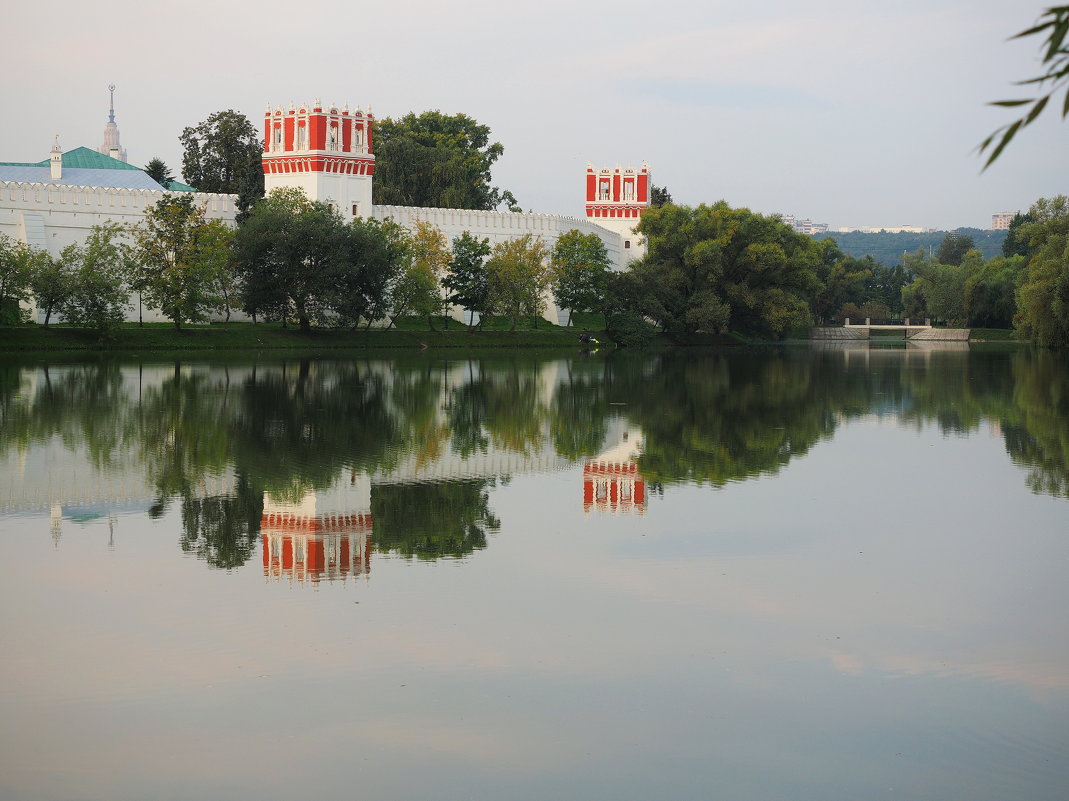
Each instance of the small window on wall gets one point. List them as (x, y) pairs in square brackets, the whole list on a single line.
[(356, 209), (627, 244)]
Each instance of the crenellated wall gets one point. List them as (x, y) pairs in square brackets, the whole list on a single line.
[(52, 216), (498, 226)]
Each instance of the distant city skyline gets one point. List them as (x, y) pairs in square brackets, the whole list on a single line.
[(854, 114)]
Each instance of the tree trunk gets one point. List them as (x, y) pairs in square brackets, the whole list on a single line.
[(305, 324)]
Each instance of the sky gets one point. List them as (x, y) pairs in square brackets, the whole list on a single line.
[(849, 112)]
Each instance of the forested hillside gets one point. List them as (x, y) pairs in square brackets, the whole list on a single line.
[(887, 248)]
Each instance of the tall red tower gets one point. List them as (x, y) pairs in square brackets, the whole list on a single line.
[(324, 150)]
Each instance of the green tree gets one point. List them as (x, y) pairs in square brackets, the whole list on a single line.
[(516, 278), (287, 254), (580, 270), (372, 257), (842, 280), (159, 172), (466, 276), (436, 160), (1014, 244), (659, 196), (1055, 21), (938, 291), (224, 154), (52, 282), (16, 273), (1043, 297), (183, 258), (953, 249), (297, 257), (713, 267), (990, 292), (101, 267), (417, 290)]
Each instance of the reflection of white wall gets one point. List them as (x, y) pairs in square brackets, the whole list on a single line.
[(41, 475)]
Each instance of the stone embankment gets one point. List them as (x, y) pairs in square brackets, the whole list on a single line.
[(942, 335), (839, 333), (861, 332)]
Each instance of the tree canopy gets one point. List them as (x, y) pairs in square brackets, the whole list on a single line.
[(224, 154), (437, 160), (580, 264), (183, 259), (712, 268)]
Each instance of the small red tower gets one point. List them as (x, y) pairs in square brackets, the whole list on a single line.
[(616, 199), (617, 194), (324, 150)]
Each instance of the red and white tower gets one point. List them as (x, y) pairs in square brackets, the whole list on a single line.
[(616, 199), (326, 151)]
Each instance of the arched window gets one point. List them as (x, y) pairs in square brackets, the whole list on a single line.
[(333, 145)]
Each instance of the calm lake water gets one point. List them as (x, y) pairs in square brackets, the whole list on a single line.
[(812, 573)]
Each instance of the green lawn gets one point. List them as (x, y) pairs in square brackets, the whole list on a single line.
[(409, 333)]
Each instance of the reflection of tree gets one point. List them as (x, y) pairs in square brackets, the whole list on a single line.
[(222, 529), (429, 521), (714, 418), (501, 403), (299, 427), (1037, 435), (578, 417)]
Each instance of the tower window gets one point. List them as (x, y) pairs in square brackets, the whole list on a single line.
[(333, 137), (627, 243)]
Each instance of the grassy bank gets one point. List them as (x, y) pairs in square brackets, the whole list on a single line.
[(268, 336)]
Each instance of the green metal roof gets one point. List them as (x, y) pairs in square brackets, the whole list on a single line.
[(178, 186), (79, 158)]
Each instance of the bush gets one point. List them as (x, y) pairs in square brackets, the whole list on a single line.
[(13, 314), (629, 329)]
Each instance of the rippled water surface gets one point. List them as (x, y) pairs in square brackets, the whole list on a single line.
[(809, 574)]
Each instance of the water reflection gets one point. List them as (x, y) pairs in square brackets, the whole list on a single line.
[(410, 448)]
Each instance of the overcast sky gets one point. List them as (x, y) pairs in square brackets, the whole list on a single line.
[(850, 112)]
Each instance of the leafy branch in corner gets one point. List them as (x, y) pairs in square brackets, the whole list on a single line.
[(1055, 20)]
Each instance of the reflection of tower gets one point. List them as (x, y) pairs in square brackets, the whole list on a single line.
[(326, 535), (323, 150), (611, 482), (315, 548), (613, 487)]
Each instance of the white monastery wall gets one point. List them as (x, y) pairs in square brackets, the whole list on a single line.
[(500, 226), (52, 216)]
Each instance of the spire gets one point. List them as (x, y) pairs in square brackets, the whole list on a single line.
[(111, 146), (55, 161)]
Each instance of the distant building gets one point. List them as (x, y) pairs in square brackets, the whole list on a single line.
[(1000, 220), (805, 226), (887, 229)]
